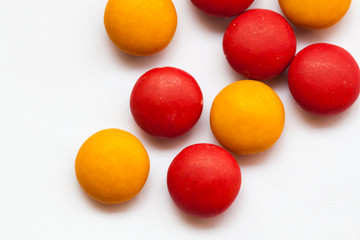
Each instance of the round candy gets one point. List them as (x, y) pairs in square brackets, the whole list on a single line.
[(140, 27), (204, 180), (222, 8), (247, 117), (314, 14), (324, 79), (166, 102), (112, 166), (259, 44)]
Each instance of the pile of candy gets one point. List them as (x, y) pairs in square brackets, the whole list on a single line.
[(246, 117)]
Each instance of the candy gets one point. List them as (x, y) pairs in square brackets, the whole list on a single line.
[(222, 8), (259, 44), (247, 117), (324, 79), (166, 102), (314, 14), (204, 180), (112, 166), (140, 27)]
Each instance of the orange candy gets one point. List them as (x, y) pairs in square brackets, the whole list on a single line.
[(140, 27), (314, 14), (247, 117), (112, 166)]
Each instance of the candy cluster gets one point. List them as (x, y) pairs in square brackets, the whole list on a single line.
[(246, 117)]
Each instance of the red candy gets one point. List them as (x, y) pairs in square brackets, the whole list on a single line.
[(324, 79), (204, 180), (222, 8), (166, 102), (259, 44)]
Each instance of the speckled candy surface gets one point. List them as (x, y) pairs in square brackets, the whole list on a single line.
[(222, 8), (204, 180), (324, 79), (166, 102), (259, 44)]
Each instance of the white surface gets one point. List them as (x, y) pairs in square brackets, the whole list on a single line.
[(62, 80)]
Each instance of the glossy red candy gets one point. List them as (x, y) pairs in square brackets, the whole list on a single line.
[(222, 8), (259, 44), (204, 180), (324, 79), (166, 102)]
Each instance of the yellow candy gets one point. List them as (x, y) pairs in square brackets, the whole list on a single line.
[(314, 14), (140, 27), (112, 166), (247, 117)]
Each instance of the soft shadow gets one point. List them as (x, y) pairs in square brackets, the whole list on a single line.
[(319, 121), (197, 222), (211, 23), (235, 76), (310, 36), (109, 208), (136, 61), (278, 82), (251, 159), (165, 143), (255, 159)]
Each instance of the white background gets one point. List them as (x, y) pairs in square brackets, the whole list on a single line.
[(61, 80)]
